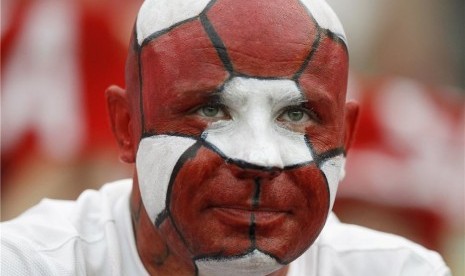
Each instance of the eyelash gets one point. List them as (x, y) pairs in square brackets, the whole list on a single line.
[(312, 115), (222, 108), (308, 111)]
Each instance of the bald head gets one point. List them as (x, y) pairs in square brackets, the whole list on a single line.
[(238, 127)]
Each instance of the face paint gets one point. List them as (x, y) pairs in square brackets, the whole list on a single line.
[(156, 161), (254, 135), (247, 178), (241, 151)]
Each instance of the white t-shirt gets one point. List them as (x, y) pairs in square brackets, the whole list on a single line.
[(93, 236)]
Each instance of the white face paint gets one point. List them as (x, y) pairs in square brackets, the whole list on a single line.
[(156, 158), (155, 16), (333, 169), (325, 17), (254, 263), (253, 134)]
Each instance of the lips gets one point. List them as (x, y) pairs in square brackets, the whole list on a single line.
[(246, 216)]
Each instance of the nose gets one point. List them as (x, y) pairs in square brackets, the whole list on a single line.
[(263, 153), (262, 148)]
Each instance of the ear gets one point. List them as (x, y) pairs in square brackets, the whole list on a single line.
[(121, 123), (350, 123)]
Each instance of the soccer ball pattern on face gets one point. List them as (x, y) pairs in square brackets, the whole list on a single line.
[(189, 49)]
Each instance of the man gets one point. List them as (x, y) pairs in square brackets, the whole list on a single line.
[(235, 116)]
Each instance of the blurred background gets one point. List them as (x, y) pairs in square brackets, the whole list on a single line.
[(406, 171)]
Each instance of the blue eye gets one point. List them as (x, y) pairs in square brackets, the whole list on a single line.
[(210, 111), (294, 115), (214, 111)]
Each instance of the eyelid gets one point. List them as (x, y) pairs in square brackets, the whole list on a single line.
[(211, 101), (302, 107), (226, 115)]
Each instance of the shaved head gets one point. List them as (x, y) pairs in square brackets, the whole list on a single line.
[(238, 128)]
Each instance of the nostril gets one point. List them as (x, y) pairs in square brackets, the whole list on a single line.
[(253, 172)]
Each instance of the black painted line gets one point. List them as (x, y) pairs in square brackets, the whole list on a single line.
[(208, 7), (217, 43), (237, 162), (253, 240), (219, 256), (337, 39), (246, 76), (161, 32), (135, 43), (161, 217), (309, 13), (310, 147), (246, 165), (322, 157), (141, 97), (187, 155), (147, 134), (298, 165), (256, 196), (174, 134), (327, 189), (312, 52), (318, 159)]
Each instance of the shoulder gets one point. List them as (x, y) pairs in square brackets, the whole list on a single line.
[(55, 235), (363, 251)]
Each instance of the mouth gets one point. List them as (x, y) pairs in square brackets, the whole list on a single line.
[(245, 215)]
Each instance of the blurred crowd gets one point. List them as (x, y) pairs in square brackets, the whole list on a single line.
[(406, 173)]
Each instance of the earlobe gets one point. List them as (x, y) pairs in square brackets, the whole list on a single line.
[(350, 123), (120, 119)]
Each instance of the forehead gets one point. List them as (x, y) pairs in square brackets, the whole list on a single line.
[(197, 46), (156, 16)]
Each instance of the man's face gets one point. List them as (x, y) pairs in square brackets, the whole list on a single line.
[(242, 131)]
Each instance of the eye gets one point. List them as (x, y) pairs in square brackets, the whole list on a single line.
[(212, 111), (294, 115)]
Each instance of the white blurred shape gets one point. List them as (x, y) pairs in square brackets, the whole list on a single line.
[(41, 85)]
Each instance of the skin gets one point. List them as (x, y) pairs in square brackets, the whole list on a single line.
[(155, 252), (161, 250)]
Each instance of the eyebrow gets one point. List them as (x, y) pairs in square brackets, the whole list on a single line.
[(292, 98), (199, 94), (188, 99)]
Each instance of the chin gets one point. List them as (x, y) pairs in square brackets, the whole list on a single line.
[(252, 263)]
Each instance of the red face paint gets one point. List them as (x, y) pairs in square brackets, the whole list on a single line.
[(221, 209), (217, 207)]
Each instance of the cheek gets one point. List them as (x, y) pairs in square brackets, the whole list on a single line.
[(305, 189), (333, 169), (156, 162), (203, 182)]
